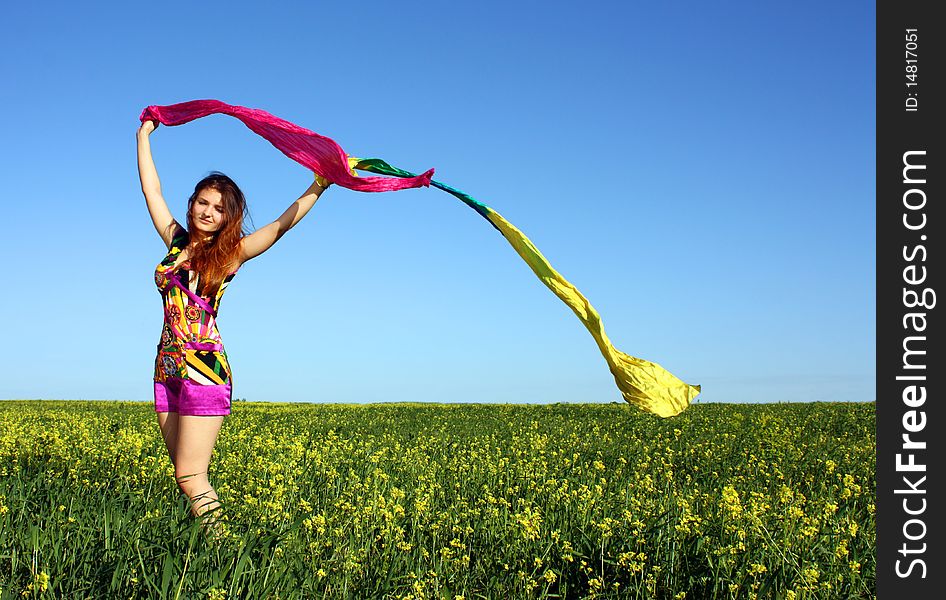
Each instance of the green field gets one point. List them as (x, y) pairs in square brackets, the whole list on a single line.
[(444, 501)]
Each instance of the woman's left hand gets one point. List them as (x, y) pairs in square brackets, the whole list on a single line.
[(323, 182)]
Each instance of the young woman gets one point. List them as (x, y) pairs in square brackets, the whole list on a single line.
[(192, 381)]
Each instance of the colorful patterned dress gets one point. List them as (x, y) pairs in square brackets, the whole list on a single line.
[(191, 372)]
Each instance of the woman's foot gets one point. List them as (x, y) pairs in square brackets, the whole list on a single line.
[(214, 530)]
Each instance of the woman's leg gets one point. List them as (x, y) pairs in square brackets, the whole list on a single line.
[(196, 436), (168, 422)]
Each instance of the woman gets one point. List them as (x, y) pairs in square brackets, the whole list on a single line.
[(192, 382)]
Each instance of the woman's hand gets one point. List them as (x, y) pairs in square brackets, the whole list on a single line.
[(147, 127), (323, 182)]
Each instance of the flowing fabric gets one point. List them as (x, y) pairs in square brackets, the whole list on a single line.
[(642, 383), (311, 150)]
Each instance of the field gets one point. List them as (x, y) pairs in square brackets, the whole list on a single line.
[(444, 501)]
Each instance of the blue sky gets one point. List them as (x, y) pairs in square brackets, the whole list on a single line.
[(703, 173)]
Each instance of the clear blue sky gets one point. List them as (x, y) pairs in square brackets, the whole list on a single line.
[(702, 172)]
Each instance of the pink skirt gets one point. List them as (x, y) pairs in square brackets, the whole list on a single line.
[(185, 397)]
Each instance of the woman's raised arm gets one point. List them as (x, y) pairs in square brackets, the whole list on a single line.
[(151, 186), (263, 238)]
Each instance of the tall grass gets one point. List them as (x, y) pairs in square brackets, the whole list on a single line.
[(444, 501)]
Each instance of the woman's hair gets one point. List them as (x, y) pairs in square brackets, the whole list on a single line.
[(213, 259)]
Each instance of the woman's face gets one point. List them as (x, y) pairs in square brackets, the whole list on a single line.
[(207, 211)]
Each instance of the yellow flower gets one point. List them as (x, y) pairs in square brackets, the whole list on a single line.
[(731, 501), (216, 594), (841, 551), (757, 569), (42, 581)]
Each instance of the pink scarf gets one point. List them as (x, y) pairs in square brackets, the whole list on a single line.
[(313, 151)]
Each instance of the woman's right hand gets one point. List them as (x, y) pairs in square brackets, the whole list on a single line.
[(147, 127)]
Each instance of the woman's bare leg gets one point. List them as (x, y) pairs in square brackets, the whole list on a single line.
[(196, 436), (168, 422)]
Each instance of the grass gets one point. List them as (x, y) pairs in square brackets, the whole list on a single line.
[(444, 501)]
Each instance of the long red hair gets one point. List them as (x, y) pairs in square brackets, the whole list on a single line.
[(213, 259)]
